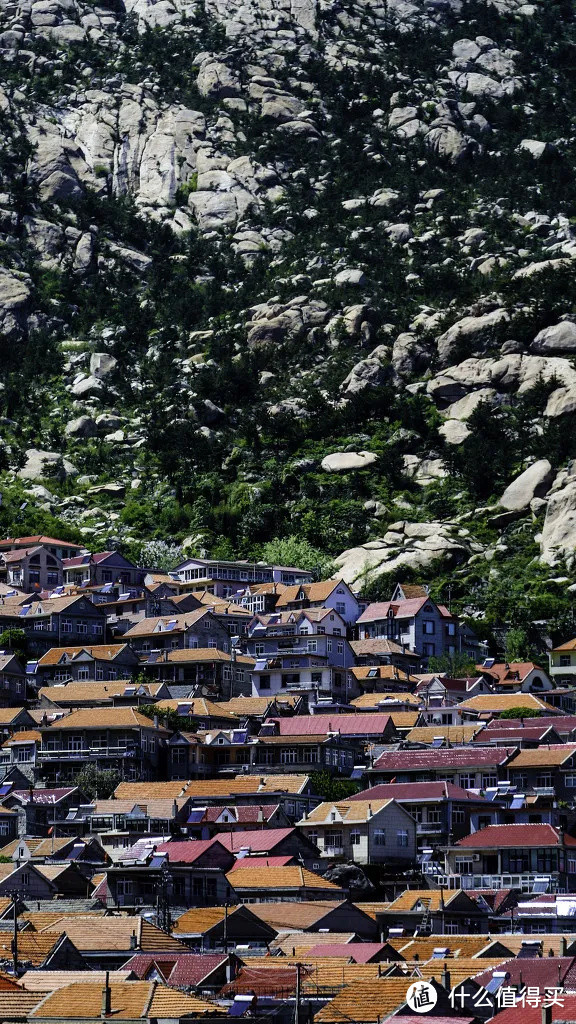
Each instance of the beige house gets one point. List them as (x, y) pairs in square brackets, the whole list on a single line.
[(364, 831)]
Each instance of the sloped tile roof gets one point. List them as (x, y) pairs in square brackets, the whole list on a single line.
[(452, 757), (319, 725), (280, 878), (512, 836), (105, 718)]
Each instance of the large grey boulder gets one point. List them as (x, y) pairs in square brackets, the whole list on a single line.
[(406, 546), (344, 462), (14, 296), (558, 537), (471, 334), (216, 79), (561, 402), (40, 464), (532, 483), (558, 339), (82, 426)]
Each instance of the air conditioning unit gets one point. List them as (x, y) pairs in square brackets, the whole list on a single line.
[(475, 857)]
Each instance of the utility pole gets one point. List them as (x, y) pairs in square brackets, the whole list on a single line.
[(225, 936), (14, 895), (298, 994)]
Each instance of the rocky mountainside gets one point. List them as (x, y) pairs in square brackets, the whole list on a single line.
[(296, 268)]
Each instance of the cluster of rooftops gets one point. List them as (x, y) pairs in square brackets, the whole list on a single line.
[(287, 812)]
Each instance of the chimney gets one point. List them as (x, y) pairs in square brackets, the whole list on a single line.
[(369, 814), (563, 945), (156, 722), (445, 978), (174, 809), (260, 815), (106, 998), (133, 941), (546, 1014)]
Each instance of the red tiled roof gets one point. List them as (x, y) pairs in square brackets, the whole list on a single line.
[(417, 791), (451, 757), (258, 839), (186, 851), (533, 733), (181, 970), (562, 723), (243, 813), (265, 981), (495, 836), (38, 538), (526, 1014), (540, 972), (402, 609), (359, 724)]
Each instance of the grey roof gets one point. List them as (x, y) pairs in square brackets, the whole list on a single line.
[(178, 690), (64, 906)]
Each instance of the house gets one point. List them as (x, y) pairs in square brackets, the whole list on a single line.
[(186, 971), (31, 569), (190, 630), (326, 751), (87, 854), (523, 856), (233, 617), (472, 767), (223, 927), (59, 548), (362, 727), (184, 871), (440, 809), (257, 885), (107, 942), (14, 719), (372, 680), (443, 735), (302, 649), (253, 711), (294, 793), (259, 598), (525, 735), (48, 623), (52, 952), (317, 916), (431, 911), (202, 713), (39, 810), (545, 769), (234, 819), (258, 844), (489, 706), (119, 738), (29, 881), (131, 1001), (98, 569), (13, 689), (77, 664), (334, 594), (371, 831), (424, 627), (514, 677), (439, 691), (124, 692), (224, 578), (219, 671), (379, 650), (562, 663), (21, 749), (120, 823)]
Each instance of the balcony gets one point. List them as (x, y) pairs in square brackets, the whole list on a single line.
[(333, 851), (88, 753), (528, 882), (431, 827)]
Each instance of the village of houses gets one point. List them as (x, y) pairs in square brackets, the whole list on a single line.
[(204, 871)]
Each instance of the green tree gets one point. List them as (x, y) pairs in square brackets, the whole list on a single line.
[(300, 553), (330, 787), (14, 639), (520, 712), (516, 648), (456, 665), (97, 783), (169, 718)]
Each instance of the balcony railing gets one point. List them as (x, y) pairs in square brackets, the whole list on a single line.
[(333, 851), (88, 752), (525, 882), (430, 826)]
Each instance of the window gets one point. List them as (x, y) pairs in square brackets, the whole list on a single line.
[(66, 625), (329, 646), (259, 649), (489, 780), (333, 840), (434, 817), (544, 779), (313, 837), (429, 650), (83, 673), (289, 755), (451, 928), (570, 781), (464, 866), (355, 837), (379, 836), (25, 876), (99, 672), (451, 629), (340, 647), (402, 838), (340, 607), (312, 646), (458, 816), (316, 677), (564, 660), (264, 682), (96, 628)]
